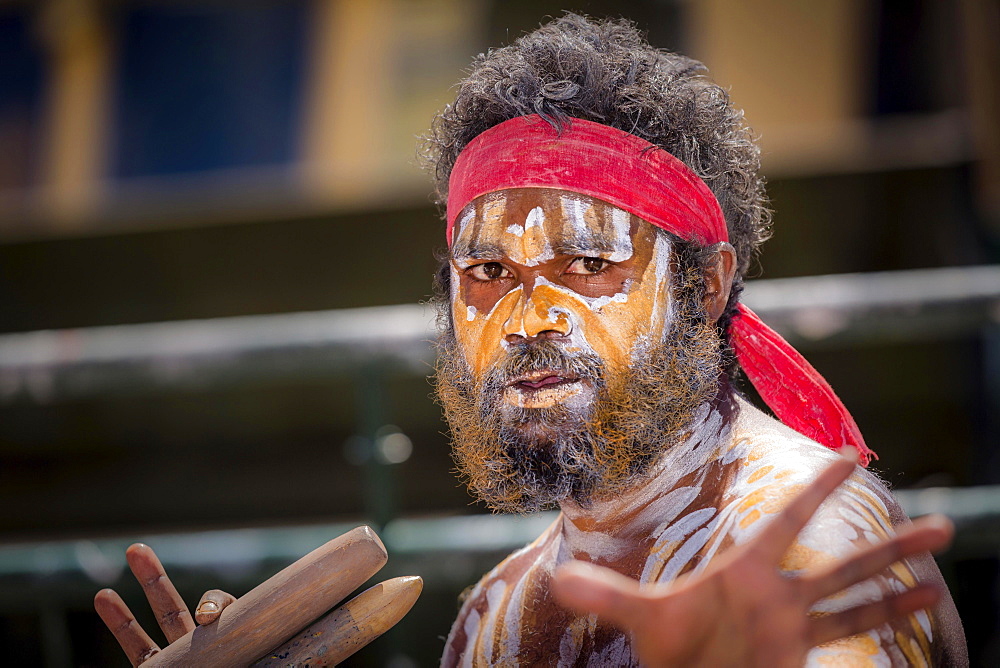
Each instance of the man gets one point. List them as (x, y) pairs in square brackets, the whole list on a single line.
[(603, 206)]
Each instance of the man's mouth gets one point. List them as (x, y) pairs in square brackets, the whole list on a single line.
[(542, 388), (537, 380)]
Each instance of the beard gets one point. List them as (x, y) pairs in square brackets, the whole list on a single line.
[(524, 459)]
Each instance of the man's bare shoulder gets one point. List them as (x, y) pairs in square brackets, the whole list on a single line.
[(770, 465), (488, 600)]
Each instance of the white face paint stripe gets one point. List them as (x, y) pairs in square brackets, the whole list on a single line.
[(593, 303), (535, 218), (463, 221), (455, 284), (597, 303), (573, 212), (621, 221), (661, 271)]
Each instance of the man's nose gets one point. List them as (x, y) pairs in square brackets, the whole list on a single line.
[(535, 316)]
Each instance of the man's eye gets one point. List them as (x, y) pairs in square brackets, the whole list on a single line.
[(586, 265), (489, 271)]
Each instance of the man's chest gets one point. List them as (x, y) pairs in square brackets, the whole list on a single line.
[(523, 625)]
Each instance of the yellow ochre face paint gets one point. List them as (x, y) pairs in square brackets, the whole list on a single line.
[(544, 263)]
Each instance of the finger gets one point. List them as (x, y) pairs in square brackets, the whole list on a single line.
[(929, 533), (137, 645), (775, 539), (587, 588), (168, 606), (866, 617), (211, 605)]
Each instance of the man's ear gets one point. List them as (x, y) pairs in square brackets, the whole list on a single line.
[(719, 274)]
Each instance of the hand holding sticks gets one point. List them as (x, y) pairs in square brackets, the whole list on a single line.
[(251, 627)]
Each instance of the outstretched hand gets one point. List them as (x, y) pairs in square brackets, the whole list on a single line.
[(171, 612), (742, 611)]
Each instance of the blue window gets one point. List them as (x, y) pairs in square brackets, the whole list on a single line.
[(203, 86), (21, 71)]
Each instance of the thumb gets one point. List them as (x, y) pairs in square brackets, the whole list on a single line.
[(212, 603), (587, 588)]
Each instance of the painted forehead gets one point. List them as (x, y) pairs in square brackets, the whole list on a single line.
[(514, 223)]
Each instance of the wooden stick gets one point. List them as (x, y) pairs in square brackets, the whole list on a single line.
[(350, 627), (272, 612)]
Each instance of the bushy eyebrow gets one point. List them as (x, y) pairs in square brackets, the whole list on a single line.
[(584, 244), (573, 243), (477, 250)]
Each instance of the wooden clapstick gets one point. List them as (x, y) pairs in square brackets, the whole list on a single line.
[(276, 609), (350, 627)]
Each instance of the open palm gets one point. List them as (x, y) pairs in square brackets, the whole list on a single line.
[(742, 611)]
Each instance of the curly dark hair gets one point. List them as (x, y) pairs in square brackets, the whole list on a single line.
[(605, 71)]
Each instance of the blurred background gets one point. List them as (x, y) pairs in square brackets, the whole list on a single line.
[(215, 241)]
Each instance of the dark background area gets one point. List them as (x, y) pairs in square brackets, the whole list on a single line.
[(196, 90)]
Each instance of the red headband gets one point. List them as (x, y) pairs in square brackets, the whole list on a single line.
[(636, 176)]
